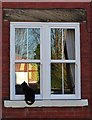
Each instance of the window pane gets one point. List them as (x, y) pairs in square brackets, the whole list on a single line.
[(21, 43), (34, 43), (56, 78), (30, 73), (27, 43), (62, 43), (69, 78), (56, 43), (69, 44), (62, 78)]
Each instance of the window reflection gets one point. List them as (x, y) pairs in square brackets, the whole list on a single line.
[(62, 78), (56, 43), (30, 73), (27, 43), (62, 43), (21, 43), (62, 48)]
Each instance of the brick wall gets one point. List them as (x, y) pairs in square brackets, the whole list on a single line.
[(0, 59), (5, 60), (50, 113), (91, 51)]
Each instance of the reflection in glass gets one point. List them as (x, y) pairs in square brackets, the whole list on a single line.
[(62, 43), (69, 78), (30, 73), (56, 43), (21, 43), (62, 78), (27, 43), (56, 78), (34, 43)]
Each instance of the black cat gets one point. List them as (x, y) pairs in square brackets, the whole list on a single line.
[(29, 93)]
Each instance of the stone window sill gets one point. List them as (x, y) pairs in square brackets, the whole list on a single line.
[(46, 103)]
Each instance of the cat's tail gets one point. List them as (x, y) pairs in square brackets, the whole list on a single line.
[(29, 102)]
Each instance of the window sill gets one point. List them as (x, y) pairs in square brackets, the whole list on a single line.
[(47, 103)]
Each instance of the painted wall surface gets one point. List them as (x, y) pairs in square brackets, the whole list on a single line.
[(66, 113)]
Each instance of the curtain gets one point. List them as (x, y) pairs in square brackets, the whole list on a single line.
[(70, 51)]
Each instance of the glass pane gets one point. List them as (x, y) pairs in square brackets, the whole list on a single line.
[(34, 43), (30, 73), (56, 43), (69, 78), (27, 43), (69, 44), (62, 43), (21, 43), (62, 78), (56, 78)]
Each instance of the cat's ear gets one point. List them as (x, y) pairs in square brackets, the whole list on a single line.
[(24, 82)]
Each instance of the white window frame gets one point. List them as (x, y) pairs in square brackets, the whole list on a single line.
[(45, 59)]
